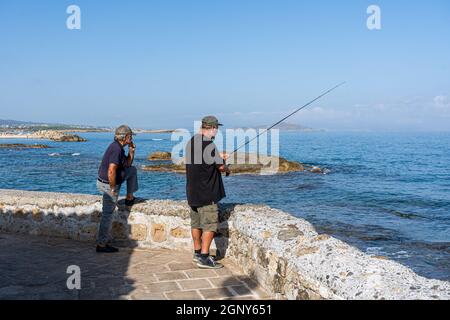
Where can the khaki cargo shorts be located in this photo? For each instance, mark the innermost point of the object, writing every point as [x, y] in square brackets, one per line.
[205, 218]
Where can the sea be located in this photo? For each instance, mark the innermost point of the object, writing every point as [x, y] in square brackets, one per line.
[388, 194]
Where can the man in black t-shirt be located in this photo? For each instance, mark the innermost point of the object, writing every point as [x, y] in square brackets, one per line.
[204, 189]
[115, 169]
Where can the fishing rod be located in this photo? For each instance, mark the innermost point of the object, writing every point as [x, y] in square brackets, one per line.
[285, 118]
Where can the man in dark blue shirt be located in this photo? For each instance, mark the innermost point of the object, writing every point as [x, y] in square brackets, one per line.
[115, 169]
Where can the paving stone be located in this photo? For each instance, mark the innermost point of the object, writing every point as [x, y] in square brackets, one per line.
[175, 275]
[147, 296]
[241, 298]
[195, 284]
[96, 294]
[40, 272]
[216, 293]
[183, 295]
[146, 268]
[201, 273]
[241, 290]
[225, 282]
[162, 287]
[223, 272]
[182, 266]
[141, 279]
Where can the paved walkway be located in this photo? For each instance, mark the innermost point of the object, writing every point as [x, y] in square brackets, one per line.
[36, 268]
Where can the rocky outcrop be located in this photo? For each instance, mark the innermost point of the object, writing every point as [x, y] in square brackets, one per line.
[59, 136]
[166, 167]
[70, 138]
[243, 163]
[282, 253]
[23, 146]
[160, 156]
[264, 164]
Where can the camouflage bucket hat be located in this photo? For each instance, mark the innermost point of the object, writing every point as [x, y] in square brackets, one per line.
[211, 121]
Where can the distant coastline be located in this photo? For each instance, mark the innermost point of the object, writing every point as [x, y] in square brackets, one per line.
[13, 129]
[21, 134]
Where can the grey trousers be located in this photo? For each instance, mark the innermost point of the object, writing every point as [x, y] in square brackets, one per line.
[110, 202]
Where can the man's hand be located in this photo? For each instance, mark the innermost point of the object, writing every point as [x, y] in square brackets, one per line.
[131, 149]
[225, 168]
[113, 192]
[224, 155]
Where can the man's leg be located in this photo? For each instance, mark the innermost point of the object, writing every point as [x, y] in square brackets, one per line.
[207, 238]
[196, 233]
[132, 181]
[197, 238]
[108, 205]
[209, 221]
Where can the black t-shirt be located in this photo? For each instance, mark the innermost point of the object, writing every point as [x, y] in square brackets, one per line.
[204, 183]
[114, 154]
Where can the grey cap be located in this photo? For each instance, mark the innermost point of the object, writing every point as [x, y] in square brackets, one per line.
[210, 121]
[123, 131]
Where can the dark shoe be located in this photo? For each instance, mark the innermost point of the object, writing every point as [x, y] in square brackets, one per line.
[208, 263]
[196, 257]
[129, 203]
[106, 249]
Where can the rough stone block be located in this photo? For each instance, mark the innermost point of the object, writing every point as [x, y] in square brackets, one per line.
[302, 251]
[20, 214]
[159, 232]
[119, 230]
[179, 233]
[138, 232]
[290, 233]
[37, 215]
[266, 234]
[95, 216]
[89, 230]
[322, 237]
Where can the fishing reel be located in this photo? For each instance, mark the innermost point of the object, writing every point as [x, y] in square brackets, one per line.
[227, 170]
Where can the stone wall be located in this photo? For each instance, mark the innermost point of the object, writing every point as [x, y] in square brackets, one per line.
[283, 253]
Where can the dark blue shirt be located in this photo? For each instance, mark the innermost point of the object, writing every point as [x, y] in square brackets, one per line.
[114, 154]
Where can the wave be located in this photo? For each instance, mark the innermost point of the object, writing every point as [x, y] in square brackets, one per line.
[56, 154]
[157, 139]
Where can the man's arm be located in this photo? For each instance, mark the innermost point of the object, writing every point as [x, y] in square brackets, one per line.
[130, 157]
[112, 171]
[223, 167]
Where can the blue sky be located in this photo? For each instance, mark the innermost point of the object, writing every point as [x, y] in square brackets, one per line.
[165, 64]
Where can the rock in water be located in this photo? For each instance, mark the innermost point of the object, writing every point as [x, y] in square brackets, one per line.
[160, 156]
[244, 164]
[58, 136]
[70, 138]
[176, 168]
[23, 146]
[316, 170]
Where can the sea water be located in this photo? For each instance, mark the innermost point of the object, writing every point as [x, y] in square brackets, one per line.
[386, 193]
